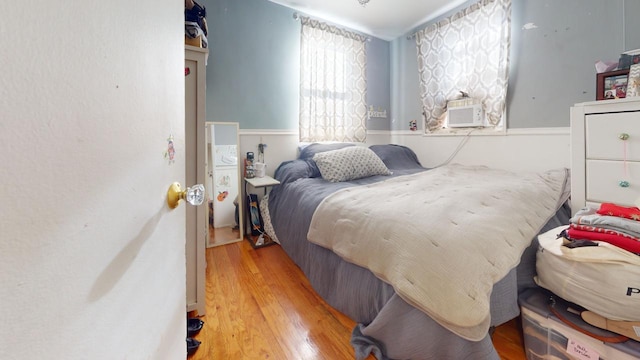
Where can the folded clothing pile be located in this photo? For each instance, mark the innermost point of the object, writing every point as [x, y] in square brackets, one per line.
[611, 223]
[195, 22]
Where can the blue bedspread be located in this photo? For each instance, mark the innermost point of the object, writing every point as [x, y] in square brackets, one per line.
[388, 326]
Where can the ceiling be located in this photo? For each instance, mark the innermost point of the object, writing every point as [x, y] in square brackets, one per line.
[384, 19]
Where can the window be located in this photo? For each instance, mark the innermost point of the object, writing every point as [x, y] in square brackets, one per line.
[332, 84]
[467, 52]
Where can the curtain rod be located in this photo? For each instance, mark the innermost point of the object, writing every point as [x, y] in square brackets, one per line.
[456, 15]
[296, 16]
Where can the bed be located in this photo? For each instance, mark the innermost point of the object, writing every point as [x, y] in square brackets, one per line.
[399, 314]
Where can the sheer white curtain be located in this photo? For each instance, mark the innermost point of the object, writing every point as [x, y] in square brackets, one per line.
[332, 83]
[468, 52]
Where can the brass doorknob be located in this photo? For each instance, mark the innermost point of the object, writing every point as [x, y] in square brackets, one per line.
[194, 195]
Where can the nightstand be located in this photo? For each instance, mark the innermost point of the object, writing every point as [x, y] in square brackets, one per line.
[261, 182]
[260, 240]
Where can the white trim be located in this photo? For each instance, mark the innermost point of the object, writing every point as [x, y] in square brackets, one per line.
[378, 132]
[405, 132]
[540, 131]
[246, 132]
[615, 105]
[509, 132]
[479, 131]
[295, 132]
[517, 131]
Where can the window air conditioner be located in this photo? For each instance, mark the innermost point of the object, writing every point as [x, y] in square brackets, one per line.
[465, 112]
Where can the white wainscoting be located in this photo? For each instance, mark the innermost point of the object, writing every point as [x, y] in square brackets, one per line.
[535, 149]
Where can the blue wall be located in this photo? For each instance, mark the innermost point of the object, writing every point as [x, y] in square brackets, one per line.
[551, 66]
[253, 71]
[254, 62]
[253, 68]
[378, 81]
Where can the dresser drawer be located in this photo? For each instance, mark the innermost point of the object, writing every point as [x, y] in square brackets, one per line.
[602, 132]
[602, 182]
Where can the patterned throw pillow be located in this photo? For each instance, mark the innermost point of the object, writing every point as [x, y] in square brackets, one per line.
[350, 163]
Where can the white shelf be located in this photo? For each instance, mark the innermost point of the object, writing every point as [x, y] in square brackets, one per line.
[258, 182]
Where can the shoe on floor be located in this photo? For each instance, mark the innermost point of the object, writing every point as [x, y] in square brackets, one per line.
[194, 325]
[192, 345]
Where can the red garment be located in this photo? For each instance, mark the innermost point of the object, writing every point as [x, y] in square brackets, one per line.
[596, 229]
[610, 209]
[619, 241]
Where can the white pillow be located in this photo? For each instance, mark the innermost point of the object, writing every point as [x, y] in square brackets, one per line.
[350, 163]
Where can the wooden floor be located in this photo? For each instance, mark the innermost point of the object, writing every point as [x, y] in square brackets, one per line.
[260, 306]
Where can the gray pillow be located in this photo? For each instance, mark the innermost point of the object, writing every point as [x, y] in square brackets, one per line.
[350, 163]
[290, 171]
[310, 150]
[396, 157]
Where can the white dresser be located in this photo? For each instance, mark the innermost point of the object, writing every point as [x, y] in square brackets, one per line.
[605, 152]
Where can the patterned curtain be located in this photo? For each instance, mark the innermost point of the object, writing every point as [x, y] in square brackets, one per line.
[332, 84]
[468, 52]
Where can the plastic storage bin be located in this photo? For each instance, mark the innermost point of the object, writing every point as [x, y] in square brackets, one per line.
[547, 337]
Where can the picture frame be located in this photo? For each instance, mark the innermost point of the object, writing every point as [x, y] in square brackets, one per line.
[612, 84]
[633, 83]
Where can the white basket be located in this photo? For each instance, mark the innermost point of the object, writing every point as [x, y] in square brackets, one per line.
[260, 169]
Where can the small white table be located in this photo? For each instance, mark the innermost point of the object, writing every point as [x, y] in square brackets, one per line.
[261, 182]
[257, 182]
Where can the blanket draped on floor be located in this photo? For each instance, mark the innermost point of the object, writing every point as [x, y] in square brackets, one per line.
[441, 238]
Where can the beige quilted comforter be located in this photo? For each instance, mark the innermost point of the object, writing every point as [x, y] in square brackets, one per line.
[442, 238]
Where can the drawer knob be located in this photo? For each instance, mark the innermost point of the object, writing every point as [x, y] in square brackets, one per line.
[623, 183]
[623, 136]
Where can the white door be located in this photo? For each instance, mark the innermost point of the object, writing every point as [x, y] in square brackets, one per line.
[92, 261]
